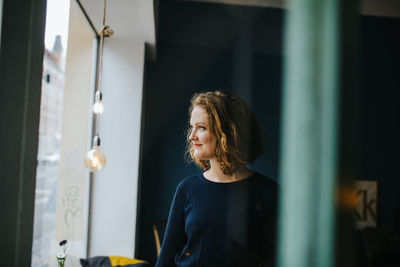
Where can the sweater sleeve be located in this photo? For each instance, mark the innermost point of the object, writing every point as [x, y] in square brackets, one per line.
[175, 236]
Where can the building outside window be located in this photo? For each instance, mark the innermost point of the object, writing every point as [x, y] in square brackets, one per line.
[68, 75]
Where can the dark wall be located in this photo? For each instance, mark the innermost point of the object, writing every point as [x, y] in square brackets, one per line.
[203, 47]
[379, 112]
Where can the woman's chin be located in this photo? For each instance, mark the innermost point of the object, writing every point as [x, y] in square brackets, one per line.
[202, 157]
[199, 156]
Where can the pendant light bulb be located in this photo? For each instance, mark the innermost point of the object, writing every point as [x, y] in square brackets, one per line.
[95, 159]
[98, 106]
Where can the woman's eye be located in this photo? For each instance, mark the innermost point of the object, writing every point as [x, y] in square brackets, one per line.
[202, 127]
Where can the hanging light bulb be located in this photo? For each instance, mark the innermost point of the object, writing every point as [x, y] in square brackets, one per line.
[98, 106]
[95, 159]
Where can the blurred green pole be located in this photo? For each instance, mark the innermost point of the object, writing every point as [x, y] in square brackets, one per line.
[310, 131]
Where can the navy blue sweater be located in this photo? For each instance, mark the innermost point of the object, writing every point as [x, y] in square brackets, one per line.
[221, 224]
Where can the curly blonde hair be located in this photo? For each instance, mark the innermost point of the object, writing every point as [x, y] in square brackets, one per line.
[238, 136]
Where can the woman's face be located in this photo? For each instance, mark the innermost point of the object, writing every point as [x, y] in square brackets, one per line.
[201, 137]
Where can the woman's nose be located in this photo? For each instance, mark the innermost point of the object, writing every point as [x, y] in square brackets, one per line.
[192, 135]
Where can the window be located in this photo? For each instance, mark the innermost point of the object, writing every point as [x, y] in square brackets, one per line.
[64, 134]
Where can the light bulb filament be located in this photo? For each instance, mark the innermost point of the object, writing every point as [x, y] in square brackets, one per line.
[95, 161]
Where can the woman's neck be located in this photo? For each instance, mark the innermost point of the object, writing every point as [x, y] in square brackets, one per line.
[215, 173]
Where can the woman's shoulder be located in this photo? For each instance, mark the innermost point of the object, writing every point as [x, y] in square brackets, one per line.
[264, 181]
[189, 181]
[265, 187]
[188, 186]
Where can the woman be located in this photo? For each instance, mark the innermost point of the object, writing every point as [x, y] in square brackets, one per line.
[226, 215]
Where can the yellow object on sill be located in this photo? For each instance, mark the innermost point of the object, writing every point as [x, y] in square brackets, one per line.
[121, 261]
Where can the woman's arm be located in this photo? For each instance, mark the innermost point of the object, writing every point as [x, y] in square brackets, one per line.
[175, 236]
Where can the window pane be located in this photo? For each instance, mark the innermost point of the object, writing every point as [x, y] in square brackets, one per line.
[66, 29]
